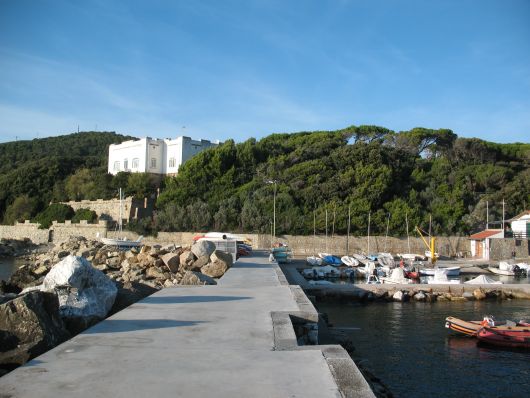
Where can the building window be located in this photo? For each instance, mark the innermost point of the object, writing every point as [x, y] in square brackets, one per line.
[116, 166]
[153, 163]
[125, 164]
[135, 163]
[172, 162]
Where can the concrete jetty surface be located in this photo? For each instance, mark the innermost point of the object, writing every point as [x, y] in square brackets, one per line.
[231, 340]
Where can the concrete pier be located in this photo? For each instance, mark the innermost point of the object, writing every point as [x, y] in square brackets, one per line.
[235, 339]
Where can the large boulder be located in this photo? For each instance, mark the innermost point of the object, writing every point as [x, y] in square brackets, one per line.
[215, 269]
[221, 260]
[129, 293]
[29, 326]
[203, 248]
[196, 278]
[86, 294]
[172, 260]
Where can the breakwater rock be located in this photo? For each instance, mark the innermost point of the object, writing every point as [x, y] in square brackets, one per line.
[16, 247]
[90, 281]
[30, 325]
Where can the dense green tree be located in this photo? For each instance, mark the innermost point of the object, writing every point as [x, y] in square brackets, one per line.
[23, 208]
[54, 212]
[84, 214]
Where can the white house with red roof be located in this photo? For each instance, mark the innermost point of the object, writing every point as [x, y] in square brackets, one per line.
[481, 242]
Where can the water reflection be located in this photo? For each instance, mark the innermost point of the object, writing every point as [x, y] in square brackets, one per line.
[409, 348]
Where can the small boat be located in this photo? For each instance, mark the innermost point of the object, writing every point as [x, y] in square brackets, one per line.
[360, 257]
[450, 271]
[499, 271]
[123, 243]
[322, 255]
[329, 271]
[282, 254]
[440, 277]
[397, 277]
[386, 260]
[515, 337]
[349, 261]
[313, 260]
[483, 280]
[429, 255]
[471, 328]
[332, 260]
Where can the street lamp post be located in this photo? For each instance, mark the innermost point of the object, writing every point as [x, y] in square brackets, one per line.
[274, 182]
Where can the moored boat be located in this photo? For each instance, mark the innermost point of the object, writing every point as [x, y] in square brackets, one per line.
[332, 260]
[515, 337]
[349, 261]
[450, 271]
[471, 328]
[313, 260]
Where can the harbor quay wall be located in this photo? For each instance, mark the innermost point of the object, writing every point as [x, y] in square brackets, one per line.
[340, 245]
[502, 249]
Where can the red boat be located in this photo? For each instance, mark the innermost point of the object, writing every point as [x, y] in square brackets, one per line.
[515, 337]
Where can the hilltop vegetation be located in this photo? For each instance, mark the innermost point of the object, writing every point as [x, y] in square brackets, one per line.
[37, 172]
[366, 169]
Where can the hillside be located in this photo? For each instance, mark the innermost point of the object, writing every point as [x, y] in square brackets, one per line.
[368, 169]
[36, 171]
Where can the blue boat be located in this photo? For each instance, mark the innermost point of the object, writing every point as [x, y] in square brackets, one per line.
[332, 260]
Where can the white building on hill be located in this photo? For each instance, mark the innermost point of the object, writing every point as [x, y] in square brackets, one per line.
[157, 156]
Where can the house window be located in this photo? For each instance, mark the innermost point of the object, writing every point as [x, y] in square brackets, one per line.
[116, 166]
[135, 163]
[153, 163]
[172, 162]
[125, 164]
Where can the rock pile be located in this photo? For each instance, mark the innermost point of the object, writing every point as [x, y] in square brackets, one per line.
[67, 289]
[15, 247]
[155, 266]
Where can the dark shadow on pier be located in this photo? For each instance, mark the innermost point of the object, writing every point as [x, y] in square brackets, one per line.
[129, 325]
[190, 299]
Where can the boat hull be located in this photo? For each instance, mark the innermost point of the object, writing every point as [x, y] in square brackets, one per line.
[517, 337]
[121, 243]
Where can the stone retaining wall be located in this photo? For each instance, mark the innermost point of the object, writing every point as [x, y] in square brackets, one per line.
[62, 231]
[25, 230]
[501, 249]
[340, 245]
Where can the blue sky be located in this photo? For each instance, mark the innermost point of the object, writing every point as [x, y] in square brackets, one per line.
[240, 69]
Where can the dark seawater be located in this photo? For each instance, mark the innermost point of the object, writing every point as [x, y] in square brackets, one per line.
[407, 346]
[8, 265]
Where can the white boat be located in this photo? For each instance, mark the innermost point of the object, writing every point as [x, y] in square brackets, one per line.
[397, 277]
[329, 271]
[483, 280]
[451, 271]
[313, 260]
[386, 260]
[440, 277]
[429, 255]
[360, 257]
[499, 271]
[122, 243]
[349, 261]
